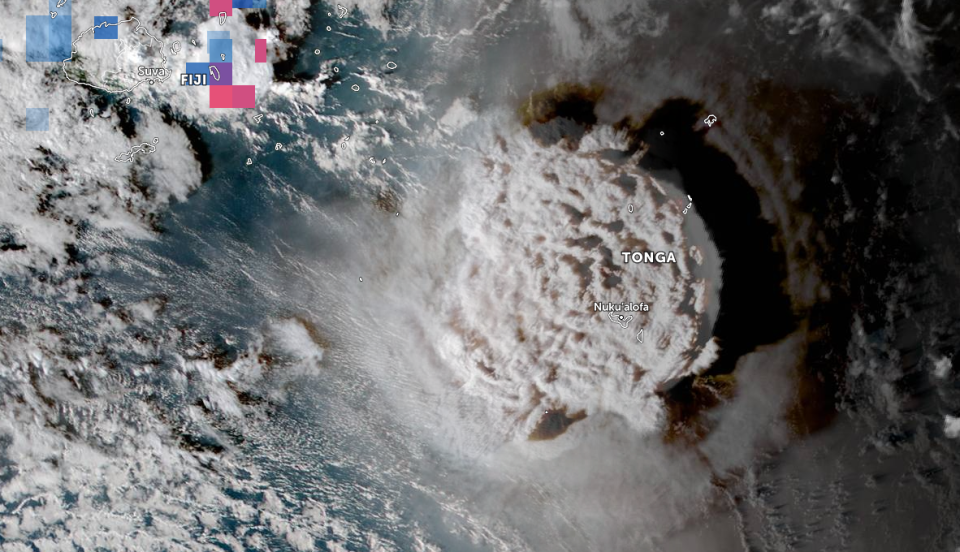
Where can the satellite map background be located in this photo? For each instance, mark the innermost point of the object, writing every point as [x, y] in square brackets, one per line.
[380, 332]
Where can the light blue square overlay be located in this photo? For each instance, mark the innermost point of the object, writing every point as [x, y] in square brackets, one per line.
[38, 118]
[221, 46]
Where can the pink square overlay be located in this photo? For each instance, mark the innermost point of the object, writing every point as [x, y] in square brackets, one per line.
[221, 96]
[217, 6]
[244, 95]
[261, 50]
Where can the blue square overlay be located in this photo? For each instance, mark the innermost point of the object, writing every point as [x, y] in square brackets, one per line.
[197, 68]
[221, 46]
[38, 38]
[61, 38]
[109, 31]
[48, 39]
[38, 118]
